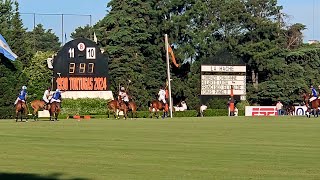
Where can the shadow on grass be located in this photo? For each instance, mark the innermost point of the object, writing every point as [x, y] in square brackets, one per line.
[27, 176]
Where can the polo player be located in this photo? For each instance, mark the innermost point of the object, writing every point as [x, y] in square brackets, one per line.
[314, 94]
[46, 96]
[22, 95]
[123, 96]
[162, 95]
[56, 96]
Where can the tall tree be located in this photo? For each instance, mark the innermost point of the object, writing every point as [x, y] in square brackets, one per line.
[82, 32]
[124, 33]
[43, 40]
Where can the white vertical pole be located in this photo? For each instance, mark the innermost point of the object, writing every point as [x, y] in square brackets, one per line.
[168, 72]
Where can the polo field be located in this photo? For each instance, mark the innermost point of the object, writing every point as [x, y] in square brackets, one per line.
[285, 147]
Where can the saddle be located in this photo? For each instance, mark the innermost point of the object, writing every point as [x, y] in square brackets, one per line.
[21, 101]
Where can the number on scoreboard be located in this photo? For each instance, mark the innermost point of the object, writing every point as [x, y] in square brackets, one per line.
[91, 53]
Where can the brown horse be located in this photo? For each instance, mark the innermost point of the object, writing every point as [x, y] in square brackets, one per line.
[156, 106]
[133, 108]
[54, 111]
[38, 105]
[314, 105]
[116, 107]
[21, 108]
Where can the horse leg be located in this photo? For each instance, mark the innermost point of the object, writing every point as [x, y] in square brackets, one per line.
[125, 114]
[26, 115]
[50, 119]
[17, 112]
[164, 114]
[115, 114]
[54, 116]
[132, 114]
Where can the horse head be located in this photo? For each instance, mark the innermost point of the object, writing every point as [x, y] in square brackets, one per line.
[305, 96]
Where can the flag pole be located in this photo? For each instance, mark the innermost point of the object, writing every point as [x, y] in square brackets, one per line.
[168, 72]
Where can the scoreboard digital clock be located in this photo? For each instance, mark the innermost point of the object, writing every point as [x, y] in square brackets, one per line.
[80, 66]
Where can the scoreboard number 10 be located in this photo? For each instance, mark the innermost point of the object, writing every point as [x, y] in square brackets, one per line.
[91, 53]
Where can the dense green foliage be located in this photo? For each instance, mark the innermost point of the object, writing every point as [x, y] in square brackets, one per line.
[181, 148]
[39, 77]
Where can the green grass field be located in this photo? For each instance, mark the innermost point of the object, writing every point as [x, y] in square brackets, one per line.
[179, 148]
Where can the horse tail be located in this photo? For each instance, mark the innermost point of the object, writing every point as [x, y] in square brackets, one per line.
[32, 105]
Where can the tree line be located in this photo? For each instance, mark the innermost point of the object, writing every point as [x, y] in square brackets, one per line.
[251, 32]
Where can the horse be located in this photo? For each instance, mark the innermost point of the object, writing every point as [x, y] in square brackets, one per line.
[38, 105]
[133, 108]
[155, 106]
[21, 108]
[290, 109]
[314, 105]
[116, 107]
[54, 111]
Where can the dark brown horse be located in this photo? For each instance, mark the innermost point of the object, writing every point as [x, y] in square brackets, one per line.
[21, 108]
[115, 107]
[38, 105]
[290, 110]
[156, 106]
[54, 111]
[314, 105]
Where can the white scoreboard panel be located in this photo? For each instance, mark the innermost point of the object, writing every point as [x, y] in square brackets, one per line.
[220, 84]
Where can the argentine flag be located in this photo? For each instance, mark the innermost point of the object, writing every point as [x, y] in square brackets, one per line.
[5, 49]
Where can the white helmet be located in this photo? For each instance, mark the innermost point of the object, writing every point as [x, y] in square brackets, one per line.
[57, 90]
[24, 87]
[122, 89]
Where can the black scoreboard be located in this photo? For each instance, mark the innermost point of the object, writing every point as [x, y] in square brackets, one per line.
[80, 66]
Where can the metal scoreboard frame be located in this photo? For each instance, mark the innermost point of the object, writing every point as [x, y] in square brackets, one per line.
[217, 80]
[81, 70]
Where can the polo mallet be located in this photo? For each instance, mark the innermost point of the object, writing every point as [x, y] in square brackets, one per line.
[129, 81]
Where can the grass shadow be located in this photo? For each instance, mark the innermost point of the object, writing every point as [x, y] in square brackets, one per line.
[29, 176]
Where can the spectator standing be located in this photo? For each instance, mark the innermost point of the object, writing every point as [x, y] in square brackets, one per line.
[279, 107]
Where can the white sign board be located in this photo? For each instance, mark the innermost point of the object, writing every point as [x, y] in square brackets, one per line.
[44, 113]
[221, 84]
[261, 111]
[271, 111]
[300, 110]
[208, 68]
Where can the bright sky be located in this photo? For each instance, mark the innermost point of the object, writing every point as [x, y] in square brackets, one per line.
[301, 11]
[96, 8]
